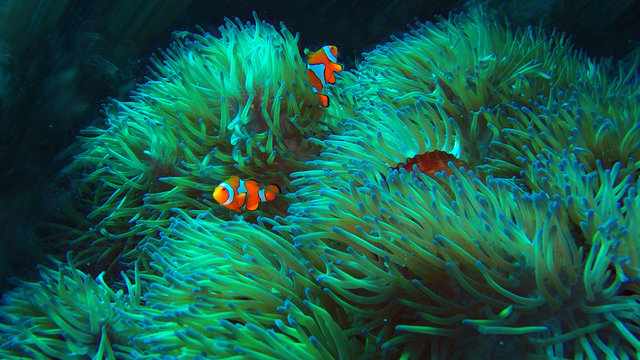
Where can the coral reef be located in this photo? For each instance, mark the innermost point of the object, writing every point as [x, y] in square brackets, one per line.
[529, 250]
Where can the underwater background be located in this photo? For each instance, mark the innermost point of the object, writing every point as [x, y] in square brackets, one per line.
[120, 118]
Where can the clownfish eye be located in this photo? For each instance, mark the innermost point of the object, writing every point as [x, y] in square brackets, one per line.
[220, 194]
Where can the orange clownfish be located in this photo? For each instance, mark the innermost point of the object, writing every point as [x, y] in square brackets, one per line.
[237, 194]
[432, 162]
[321, 65]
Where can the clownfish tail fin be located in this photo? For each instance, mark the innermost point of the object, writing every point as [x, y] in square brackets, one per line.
[275, 188]
[269, 193]
[324, 99]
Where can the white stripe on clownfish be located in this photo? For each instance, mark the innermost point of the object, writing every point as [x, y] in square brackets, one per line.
[318, 70]
[327, 51]
[229, 191]
[241, 187]
[262, 195]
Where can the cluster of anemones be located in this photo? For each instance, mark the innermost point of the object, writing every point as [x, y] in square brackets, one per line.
[477, 199]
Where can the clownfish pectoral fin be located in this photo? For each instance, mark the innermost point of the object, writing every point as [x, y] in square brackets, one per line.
[324, 99]
[330, 78]
[329, 75]
[242, 197]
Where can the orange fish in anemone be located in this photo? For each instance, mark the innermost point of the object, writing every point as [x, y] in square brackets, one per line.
[321, 66]
[432, 162]
[238, 195]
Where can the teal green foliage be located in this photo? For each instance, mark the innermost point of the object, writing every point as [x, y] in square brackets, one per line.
[67, 315]
[528, 251]
[237, 104]
[230, 287]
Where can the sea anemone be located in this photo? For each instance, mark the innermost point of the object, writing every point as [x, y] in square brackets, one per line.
[230, 288]
[534, 256]
[67, 315]
[526, 245]
[237, 104]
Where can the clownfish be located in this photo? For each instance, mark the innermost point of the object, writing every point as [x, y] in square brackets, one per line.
[321, 65]
[432, 162]
[237, 194]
